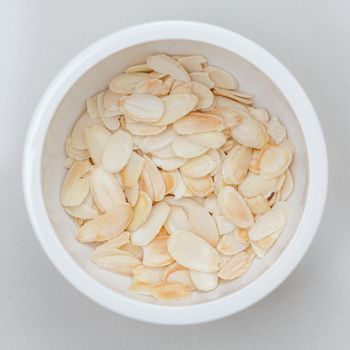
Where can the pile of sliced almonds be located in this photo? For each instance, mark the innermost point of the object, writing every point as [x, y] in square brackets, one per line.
[177, 177]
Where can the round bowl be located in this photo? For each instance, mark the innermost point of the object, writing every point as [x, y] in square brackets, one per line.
[258, 72]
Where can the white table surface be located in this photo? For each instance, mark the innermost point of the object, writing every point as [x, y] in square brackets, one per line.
[40, 310]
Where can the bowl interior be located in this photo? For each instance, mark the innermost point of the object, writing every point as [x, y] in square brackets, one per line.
[96, 79]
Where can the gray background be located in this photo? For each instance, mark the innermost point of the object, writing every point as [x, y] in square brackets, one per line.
[40, 310]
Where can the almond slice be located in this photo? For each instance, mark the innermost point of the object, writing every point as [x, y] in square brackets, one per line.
[202, 78]
[142, 108]
[181, 247]
[184, 203]
[228, 245]
[198, 167]
[232, 95]
[146, 274]
[152, 143]
[96, 138]
[201, 187]
[267, 224]
[84, 210]
[176, 106]
[154, 87]
[288, 185]
[143, 129]
[111, 123]
[205, 96]
[184, 148]
[236, 165]
[276, 130]
[250, 133]
[255, 185]
[141, 288]
[150, 228]
[274, 161]
[229, 116]
[221, 78]
[132, 171]
[78, 140]
[234, 208]
[211, 204]
[170, 292]
[136, 251]
[115, 243]
[183, 277]
[132, 194]
[145, 183]
[75, 153]
[110, 102]
[192, 63]
[169, 164]
[155, 253]
[75, 186]
[156, 178]
[105, 189]
[125, 83]
[164, 64]
[181, 88]
[203, 225]
[166, 152]
[223, 225]
[138, 68]
[236, 266]
[169, 181]
[118, 151]
[224, 102]
[106, 226]
[180, 187]
[91, 106]
[177, 220]
[261, 115]
[196, 122]
[258, 205]
[208, 139]
[141, 211]
[204, 281]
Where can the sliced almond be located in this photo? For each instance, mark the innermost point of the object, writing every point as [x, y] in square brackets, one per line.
[84, 210]
[255, 185]
[224, 102]
[288, 186]
[261, 115]
[177, 220]
[234, 208]
[254, 166]
[180, 187]
[91, 106]
[196, 122]
[156, 178]
[236, 266]
[211, 204]
[110, 102]
[236, 165]
[136, 251]
[181, 88]
[208, 139]
[154, 87]
[232, 95]
[75, 153]
[198, 167]
[203, 225]
[150, 228]
[106, 226]
[184, 203]
[169, 181]
[229, 116]
[228, 245]
[111, 123]
[169, 164]
[221, 78]
[166, 152]
[224, 226]
[250, 133]
[168, 81]
[201, 187]
[146, 274]
[105, 189]
[125, 83]
[192, 63]
[276, 130]
[139, 68]
[202, 78]
[141, 288]
[75, 186]
[68, 162]
[141, 107]
[145, 183]
[155, 253]
[115, 243]
[176, 106]
[258, 205]
[152, 143]
[132, 194]
[204, 281]
[274, 161]
[181, 247]
[184, 148]
[170, 292]
[218, 181]
[96, 138]
[205, 96]
[142, 129]
[183, 277]
[132, 171]
[118, 151]
[141, 211]
[164, 64]
[78, 140]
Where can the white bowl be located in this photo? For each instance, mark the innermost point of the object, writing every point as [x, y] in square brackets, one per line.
[258, 72]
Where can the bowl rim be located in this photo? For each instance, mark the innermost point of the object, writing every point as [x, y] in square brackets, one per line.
[317, 177]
